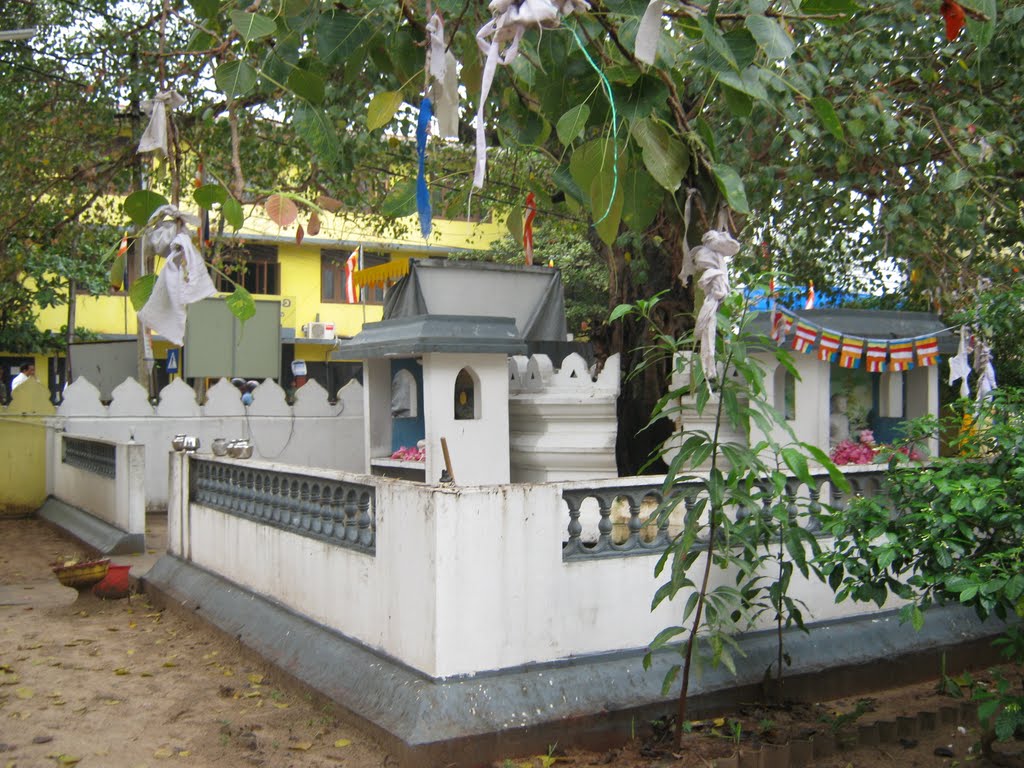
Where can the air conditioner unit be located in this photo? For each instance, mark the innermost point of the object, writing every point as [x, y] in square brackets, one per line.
[319, 330]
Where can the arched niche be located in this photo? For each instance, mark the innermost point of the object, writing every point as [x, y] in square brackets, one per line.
[785, 393]
[467, 395]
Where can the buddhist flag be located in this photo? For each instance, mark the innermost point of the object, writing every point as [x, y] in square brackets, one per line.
[804, 337]
[782, 324]
[901, 355]
[877, 351]
[828, 347]
[809, 304]
[927, 351]
[851, 352]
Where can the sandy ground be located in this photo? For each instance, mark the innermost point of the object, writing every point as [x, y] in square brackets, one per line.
[117, 683]
[121, 684]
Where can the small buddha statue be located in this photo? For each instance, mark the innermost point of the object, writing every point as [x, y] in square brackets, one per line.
[838, 421]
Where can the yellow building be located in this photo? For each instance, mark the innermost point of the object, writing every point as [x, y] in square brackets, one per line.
[308, 279]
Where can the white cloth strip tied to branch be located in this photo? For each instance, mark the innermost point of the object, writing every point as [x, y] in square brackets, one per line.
[183, 280]
[444, 75]
[960, 365]
[155, 137]
[711, 260]
[649, 32]
[510, 20]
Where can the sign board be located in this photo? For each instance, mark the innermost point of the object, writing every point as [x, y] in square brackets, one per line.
[104, 363]
[172, 361]
[218, 345]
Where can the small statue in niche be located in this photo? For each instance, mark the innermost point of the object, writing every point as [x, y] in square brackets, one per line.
[838, 420]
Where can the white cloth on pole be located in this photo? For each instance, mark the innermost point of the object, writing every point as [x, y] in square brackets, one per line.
[711, 260]
[960, 365]
[155, 137]
[444, 75]
[183, 280]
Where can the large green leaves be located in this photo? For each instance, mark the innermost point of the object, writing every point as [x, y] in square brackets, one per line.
[731, 186]
[252, 26]
[382, 109]
[570, 125]
[140, 205]
[235, 78]
[316, 129]
[665, 157]
[401, 200]
[770, 37]
[339, 35]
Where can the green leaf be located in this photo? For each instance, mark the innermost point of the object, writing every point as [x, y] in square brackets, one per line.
[205, 9]
[604, 207]
[241, 304]
[620, 311]
[797, 464]
[306, 85]
[116, 277]
[140, 205]
[140, 290]
[827, 114]
[642, 197]
[731, 186]
[514, 224]
[664, 636]
[382, 109]
[740, 104]
[771, 37]
[231, 210]
[316, 129]
[209, 195]
[981, 32]
[665, 157]
[338, 36]
[252, 26]
[570, 125]
[401, 200]
[841, 8]
[716, 42]
[235, 78]
[956, 180]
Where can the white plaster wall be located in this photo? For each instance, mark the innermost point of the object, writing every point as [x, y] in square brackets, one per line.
[562, 424]
[312, 433]
[923, 397]
[479, 448]
[119, 501]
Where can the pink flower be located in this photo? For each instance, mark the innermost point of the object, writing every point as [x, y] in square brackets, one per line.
[867, 437]
[406, 453]
[849, 452]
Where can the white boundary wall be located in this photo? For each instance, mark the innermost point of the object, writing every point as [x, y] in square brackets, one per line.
[119, 501]
[463, 580]
[310, 433]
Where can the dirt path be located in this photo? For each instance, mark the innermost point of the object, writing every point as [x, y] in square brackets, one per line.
[118, 684]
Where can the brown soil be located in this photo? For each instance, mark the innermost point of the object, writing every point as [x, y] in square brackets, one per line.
[120, 684]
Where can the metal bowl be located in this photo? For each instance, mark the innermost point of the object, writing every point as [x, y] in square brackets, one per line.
[190, 444]
[240, 449]
[178, 442]
[219, 446]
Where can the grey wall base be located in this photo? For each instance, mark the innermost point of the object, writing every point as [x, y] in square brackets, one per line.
[596, 701]
[91, 531]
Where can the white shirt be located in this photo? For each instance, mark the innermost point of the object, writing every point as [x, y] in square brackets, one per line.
[20, 379]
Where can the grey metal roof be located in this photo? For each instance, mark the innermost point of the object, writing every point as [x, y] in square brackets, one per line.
[410, 336]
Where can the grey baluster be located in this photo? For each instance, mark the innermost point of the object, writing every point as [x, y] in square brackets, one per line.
[604, 525]
[326, 513]
[814, 510]
[575, 543]
[338, 510]
[315, 519]
[294, 500]
[351, 516]
[365, 529]
[305, 510]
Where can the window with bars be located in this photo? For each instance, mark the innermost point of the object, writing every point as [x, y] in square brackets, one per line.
[254, 267]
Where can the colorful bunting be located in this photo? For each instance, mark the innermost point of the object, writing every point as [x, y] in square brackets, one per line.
[877, 352]
[828, 347]
[782, 324]
[851, 352]
[927, 351]
[804, 338]
[901, 355]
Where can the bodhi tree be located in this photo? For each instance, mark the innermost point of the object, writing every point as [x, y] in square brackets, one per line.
[817, 125]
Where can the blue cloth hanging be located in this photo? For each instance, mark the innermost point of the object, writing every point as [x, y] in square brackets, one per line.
[422, 193]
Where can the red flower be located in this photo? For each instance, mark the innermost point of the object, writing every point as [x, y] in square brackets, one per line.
[954, 16]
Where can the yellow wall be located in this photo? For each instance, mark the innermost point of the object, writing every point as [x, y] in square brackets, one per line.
[23, 449]
[300, 272]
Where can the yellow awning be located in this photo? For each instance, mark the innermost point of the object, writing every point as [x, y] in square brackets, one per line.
[382, 273]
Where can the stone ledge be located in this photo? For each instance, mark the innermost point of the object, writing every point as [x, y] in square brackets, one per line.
[90, 530]
[595, 701]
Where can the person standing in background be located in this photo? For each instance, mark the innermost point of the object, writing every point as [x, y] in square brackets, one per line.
[27, 371]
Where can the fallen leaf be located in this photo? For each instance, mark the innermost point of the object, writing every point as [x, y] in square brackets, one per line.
[342, 742]
[169, 664]
[255, 679]
[162, 753]
[24, 693]
[68, 760]
[280, 705]
[302, 745]
[130, 652]
[132, 625]
[184, 753]
[121, 671]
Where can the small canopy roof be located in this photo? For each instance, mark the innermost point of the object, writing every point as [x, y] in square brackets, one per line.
[412, 336]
